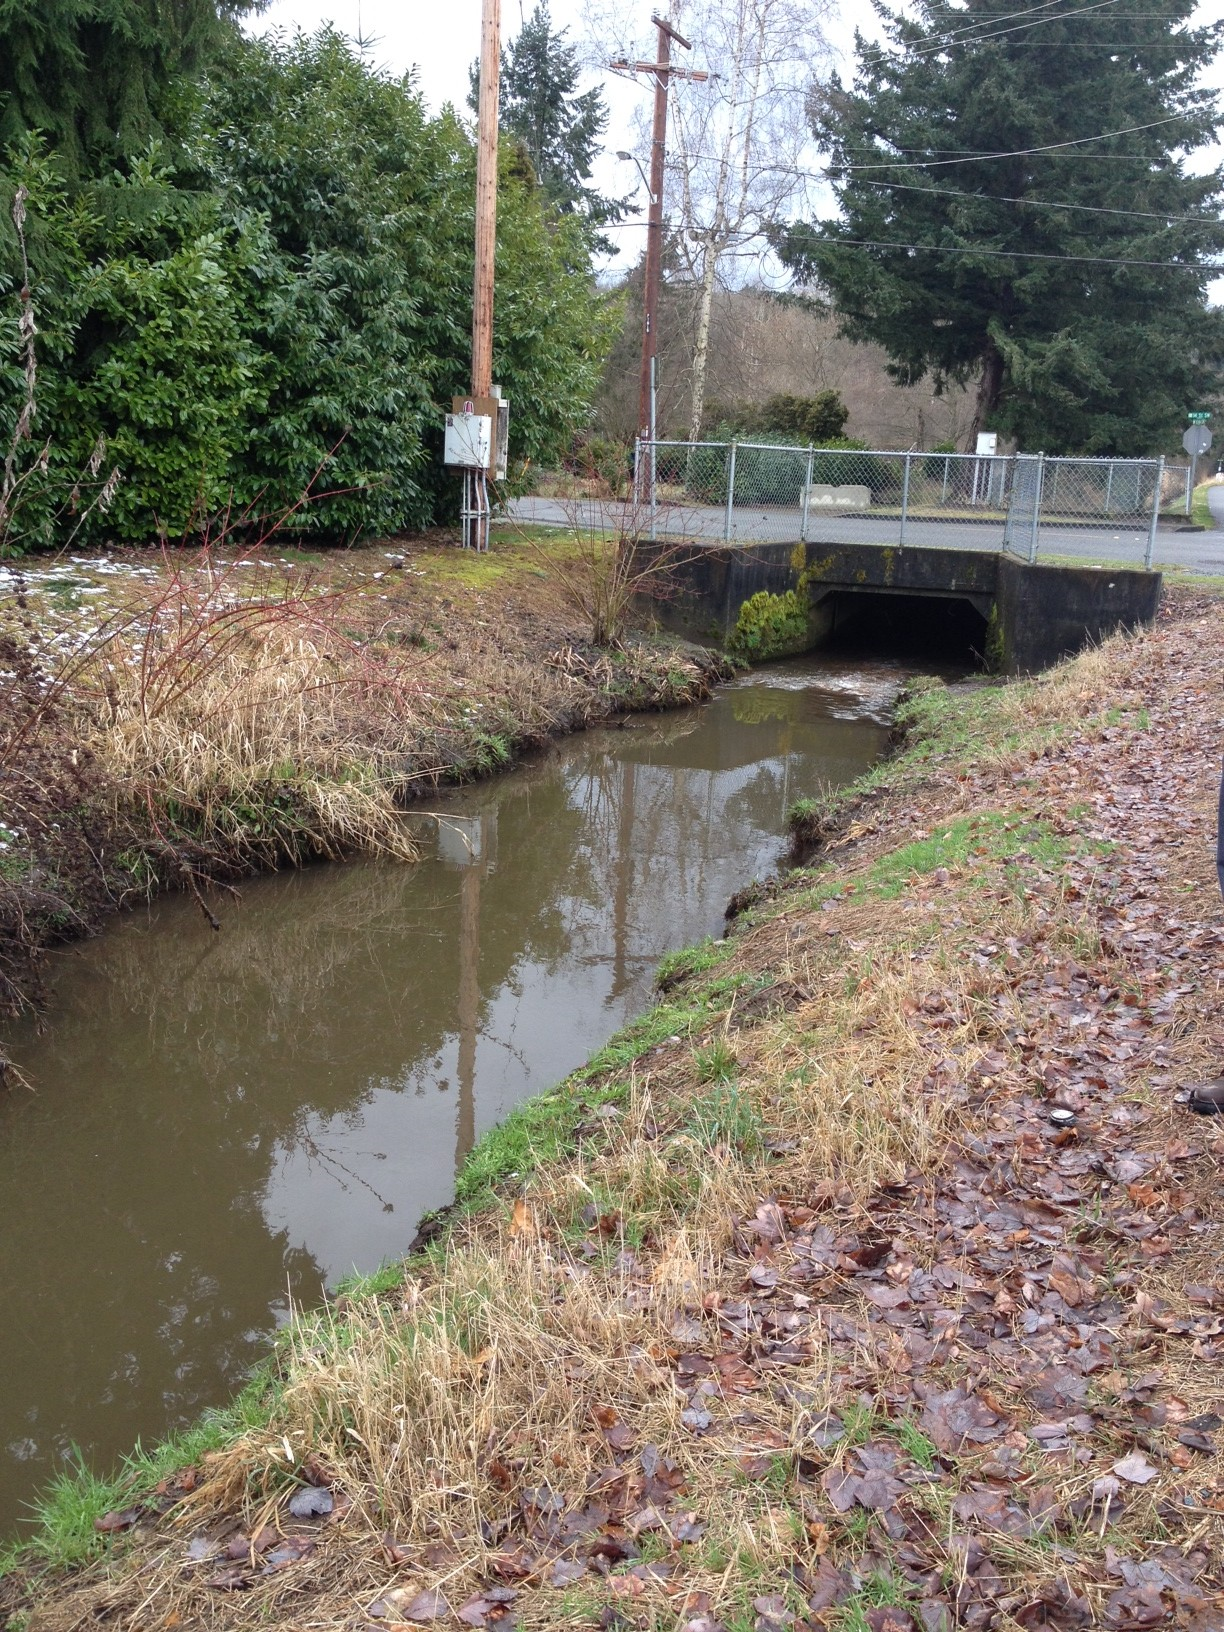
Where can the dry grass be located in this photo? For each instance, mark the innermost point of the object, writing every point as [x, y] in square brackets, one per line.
[545, 1341]
[270, 737]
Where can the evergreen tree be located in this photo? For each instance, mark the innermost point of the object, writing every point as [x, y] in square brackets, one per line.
[102, 78]
[993, 168]
[558, 128]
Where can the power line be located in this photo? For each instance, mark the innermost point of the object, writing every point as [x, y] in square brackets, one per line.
[913, 53]
[1106, 45]
[1047, 204]
[1020, 152]
[949, 42]
[971, 28]
[971, 32]
[1201, 267]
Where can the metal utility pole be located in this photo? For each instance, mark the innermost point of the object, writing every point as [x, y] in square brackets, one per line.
[663, 73]
[486, 199]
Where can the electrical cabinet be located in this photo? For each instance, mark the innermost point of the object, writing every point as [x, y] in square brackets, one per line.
[468, 441]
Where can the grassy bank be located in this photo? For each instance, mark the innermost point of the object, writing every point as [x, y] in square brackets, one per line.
[1200, 512]
[795, 1308]
[182, 720]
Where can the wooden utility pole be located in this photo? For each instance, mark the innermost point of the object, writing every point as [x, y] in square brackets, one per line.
[486, 199]
[663, 73]
[654, 230]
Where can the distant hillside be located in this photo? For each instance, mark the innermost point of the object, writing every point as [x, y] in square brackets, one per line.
[760, 347]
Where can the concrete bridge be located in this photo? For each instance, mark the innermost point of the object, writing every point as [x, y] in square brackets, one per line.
[774, 600]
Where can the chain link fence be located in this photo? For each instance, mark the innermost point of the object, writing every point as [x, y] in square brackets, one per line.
[1027, 504]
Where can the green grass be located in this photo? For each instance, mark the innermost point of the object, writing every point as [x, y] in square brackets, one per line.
[879, 1591]
[968, 841]
[1174, 574]
[1200, 514]
[388, 1277]
[63, 1517]
[716, 1062]
[968, 844]
[945, 725]
[723, 1116]
[513, 550]
[690, 961]
[543, 1129]
[912, 1440]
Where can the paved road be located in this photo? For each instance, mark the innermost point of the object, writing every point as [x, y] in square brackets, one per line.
[1194, 552]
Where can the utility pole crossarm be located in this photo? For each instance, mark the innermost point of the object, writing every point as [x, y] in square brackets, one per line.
[623, 66]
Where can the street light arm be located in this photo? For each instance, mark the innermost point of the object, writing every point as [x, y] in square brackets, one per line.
[630, 158]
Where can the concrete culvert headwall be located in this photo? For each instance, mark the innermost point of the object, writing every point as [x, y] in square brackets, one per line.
[777, 600]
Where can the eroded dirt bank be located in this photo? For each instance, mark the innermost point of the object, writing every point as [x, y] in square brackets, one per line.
[184, 719]
[797, 1308]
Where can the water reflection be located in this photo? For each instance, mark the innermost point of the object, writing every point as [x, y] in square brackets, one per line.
[222, 1120]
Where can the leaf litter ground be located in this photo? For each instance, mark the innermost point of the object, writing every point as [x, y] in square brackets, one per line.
[814, 1316]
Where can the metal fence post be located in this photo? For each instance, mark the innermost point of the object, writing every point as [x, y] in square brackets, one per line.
[637, 470]
[1156, 497]
[905, 484]
[1038, 481]
[1109, 474]
[943, 497]
[807, 494]
[654, 498]
[1189, 483]
[730, 494]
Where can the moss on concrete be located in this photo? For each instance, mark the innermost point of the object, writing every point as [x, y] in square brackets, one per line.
[770, 626]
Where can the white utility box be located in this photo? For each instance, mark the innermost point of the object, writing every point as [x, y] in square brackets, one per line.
[469, 441]
[987, 444]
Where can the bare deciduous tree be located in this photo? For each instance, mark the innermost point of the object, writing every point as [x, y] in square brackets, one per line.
[739, 147]
[739, 151]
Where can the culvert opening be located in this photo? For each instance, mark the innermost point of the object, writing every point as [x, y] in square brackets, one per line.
[936, 627]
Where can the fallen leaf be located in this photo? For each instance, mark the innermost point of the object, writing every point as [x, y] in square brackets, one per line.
[311, 1502]
[111, 1522]
[402, 1604]
[1136, 1606]
[290, 1551]
[1135, 1469]
[429, 1605]
[229, 1580]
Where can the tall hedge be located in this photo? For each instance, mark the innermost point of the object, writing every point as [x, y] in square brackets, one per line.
[282, 307]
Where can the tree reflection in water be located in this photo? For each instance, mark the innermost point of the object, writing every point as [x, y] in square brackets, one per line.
[223, 1121]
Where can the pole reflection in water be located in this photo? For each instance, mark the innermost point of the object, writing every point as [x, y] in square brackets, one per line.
[473, 856]
[223, 1120]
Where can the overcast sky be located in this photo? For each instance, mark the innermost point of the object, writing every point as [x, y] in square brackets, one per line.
[439, 39]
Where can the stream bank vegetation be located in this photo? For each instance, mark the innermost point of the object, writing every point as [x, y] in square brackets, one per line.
[185, 718]
[794, 1308]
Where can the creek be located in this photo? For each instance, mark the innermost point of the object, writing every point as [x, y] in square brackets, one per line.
[222, 1123]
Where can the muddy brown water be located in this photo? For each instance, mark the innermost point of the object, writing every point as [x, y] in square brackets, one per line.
[223, 1121]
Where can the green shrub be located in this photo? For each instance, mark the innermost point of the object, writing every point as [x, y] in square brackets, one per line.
[605, 458]
[819, 419]
[287, 308]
